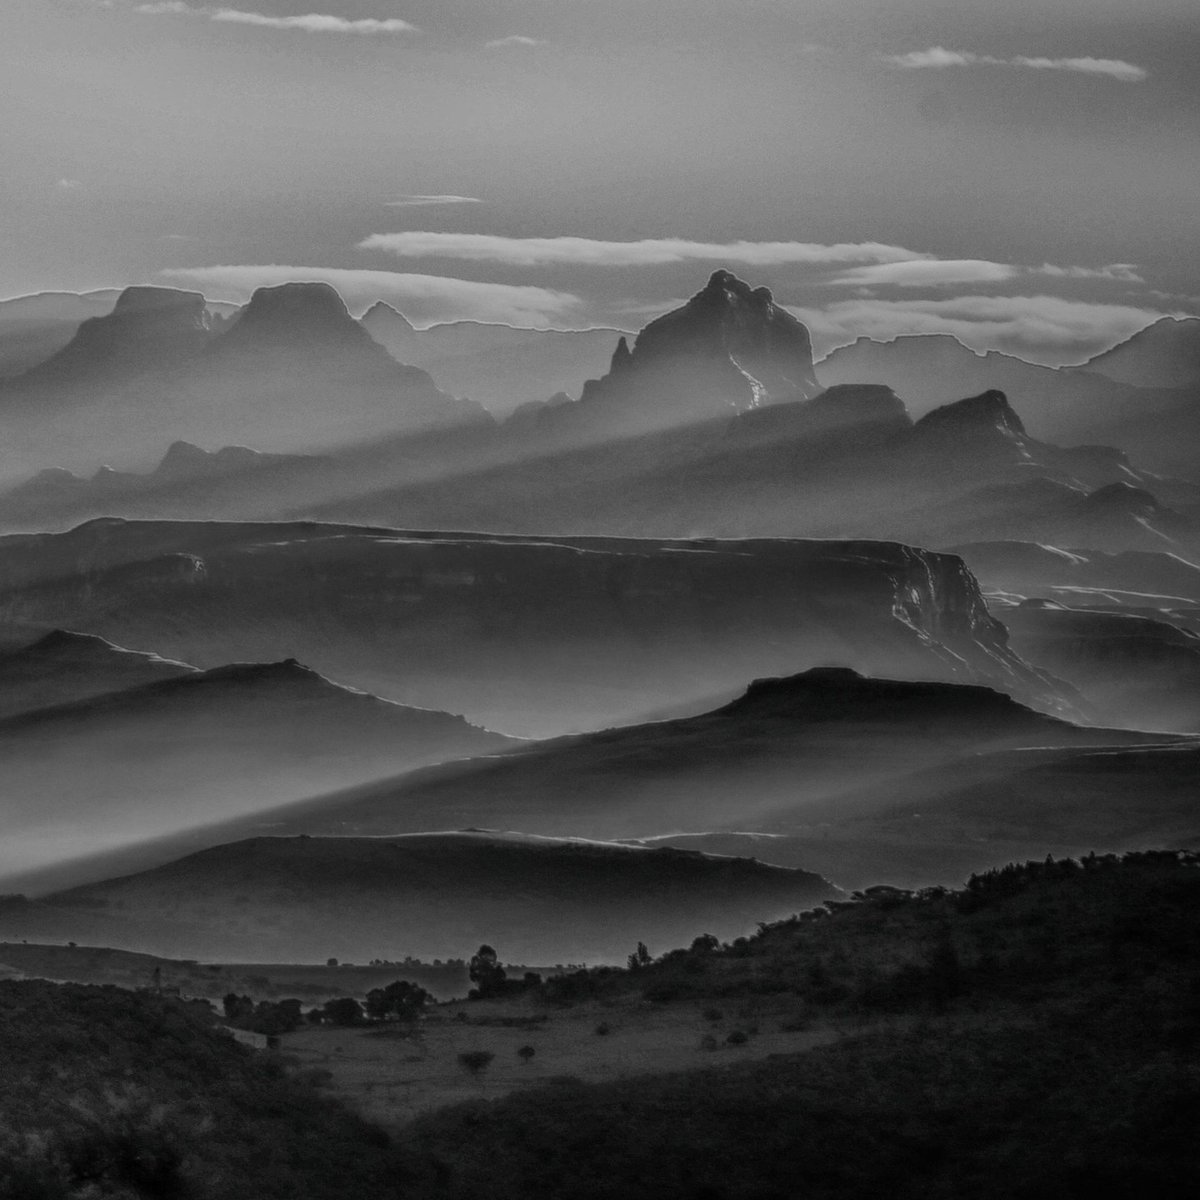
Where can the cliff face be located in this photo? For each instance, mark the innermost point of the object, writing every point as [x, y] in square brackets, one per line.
[530, 635]
[729, 349]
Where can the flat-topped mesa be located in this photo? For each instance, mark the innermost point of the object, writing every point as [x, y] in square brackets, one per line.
[149, 327]
[297, 316]
[840, 693]
[729, 349]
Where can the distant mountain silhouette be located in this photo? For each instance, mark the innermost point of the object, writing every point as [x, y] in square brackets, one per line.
[293, 371]
[848, 463]
[187, 481]
[63, 667]
[1163, 355]
[499, 366]
[779, 755]
[115, 768]
[149, 328]
[538, 900]
[1135, 670]
[729, 349]
[1141, 395]
[528, 634]
[33, 328]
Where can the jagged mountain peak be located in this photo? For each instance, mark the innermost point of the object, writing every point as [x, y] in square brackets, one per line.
[728, 349]
[729, 318]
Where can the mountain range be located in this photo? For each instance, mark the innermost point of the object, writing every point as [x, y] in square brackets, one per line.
[498, 366]
[818, 766]
[160, 367]
[541, 900]
[132, 746]
[531, 635]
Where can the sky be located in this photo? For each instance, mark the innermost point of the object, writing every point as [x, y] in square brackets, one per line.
[1022, 175]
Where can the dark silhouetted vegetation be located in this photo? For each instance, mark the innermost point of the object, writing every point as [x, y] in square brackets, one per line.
[111, 1093]
[1036, 1034]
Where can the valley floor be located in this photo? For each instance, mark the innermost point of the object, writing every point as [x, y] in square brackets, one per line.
[391, 1077]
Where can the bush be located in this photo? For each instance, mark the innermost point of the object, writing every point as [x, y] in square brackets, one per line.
[708, 1042]
[603, 1029]
[738, 1037]
[475, 1062]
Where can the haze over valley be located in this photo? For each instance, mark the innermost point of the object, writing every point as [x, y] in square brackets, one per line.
[599, 600]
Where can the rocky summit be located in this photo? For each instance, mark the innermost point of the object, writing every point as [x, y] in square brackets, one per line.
[729, 349]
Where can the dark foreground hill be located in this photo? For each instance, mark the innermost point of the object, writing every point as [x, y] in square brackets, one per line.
[1032, 1035]
[304, 899]
[121, 1094]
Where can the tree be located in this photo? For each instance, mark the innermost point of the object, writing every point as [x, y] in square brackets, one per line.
[640, 957]
[525, 1053]
[343, 1010]
[399, 1001]
[475, 1062]
[486, 973]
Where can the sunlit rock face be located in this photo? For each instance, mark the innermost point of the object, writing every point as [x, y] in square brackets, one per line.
[729, 349]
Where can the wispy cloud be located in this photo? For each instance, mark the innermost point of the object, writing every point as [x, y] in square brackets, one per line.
[939, 58]
[514, 39]
[306, 22]
[1040, 328]
[424, 299]
[1116, 272]
[576, 251]
[68, 185]
[927, 273]
[429, 201]
[941, 272]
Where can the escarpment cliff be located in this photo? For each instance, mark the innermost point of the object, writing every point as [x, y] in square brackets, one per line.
[528, 634]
